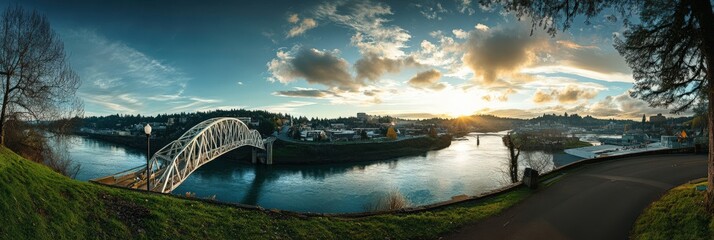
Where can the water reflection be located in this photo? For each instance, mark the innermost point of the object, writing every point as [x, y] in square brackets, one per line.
[463, 168]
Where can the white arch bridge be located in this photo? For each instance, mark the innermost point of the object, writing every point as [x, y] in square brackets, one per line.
[173, 163]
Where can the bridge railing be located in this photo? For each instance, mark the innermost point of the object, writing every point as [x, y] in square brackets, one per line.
[172, 164]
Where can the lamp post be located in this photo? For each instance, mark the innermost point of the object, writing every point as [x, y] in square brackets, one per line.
[147, 130]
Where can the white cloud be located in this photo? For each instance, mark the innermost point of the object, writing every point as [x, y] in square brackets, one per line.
[366, 18]
[460, 33]
[608, 77]
[464, 6]
[445, 54]
[431, 11]
[481, 27]
[293, 18]
[299, 29]
[566, 95]
[120, 79]
[288, 107]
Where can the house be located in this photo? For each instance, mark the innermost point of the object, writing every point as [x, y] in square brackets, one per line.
[312, 135]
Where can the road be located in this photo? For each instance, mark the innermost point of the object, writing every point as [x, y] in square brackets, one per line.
[599, 201]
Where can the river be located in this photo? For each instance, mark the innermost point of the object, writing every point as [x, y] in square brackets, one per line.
[462, 168]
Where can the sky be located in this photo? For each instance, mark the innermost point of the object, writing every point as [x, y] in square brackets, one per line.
[410, 59]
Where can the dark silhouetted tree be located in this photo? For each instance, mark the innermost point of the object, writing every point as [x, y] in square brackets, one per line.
[514, 149]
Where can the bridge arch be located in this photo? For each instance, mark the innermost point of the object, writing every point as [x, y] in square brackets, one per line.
[173, 163]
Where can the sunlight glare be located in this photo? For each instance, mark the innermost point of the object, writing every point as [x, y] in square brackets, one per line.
[458, 103]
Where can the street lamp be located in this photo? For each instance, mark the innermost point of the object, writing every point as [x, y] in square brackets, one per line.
[147, 130]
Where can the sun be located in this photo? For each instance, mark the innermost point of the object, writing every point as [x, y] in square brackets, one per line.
[459, 103]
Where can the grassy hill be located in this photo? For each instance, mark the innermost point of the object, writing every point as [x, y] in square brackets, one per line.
[37, 203]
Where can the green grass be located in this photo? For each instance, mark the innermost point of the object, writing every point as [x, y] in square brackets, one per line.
[40, 204]
[576, 144]
[679, 214]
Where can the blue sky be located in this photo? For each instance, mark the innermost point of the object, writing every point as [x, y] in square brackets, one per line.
[336, 58]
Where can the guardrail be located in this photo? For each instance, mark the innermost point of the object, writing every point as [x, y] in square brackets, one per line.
[438, 205]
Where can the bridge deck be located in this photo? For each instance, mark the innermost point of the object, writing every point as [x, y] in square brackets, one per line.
[135, 179]
[173, 163]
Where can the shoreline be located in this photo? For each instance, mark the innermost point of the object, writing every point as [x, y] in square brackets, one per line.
[311, 153]
[294, 153]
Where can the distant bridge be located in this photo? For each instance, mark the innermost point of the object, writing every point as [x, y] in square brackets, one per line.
[206, 141]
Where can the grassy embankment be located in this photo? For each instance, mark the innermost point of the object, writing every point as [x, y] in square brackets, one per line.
[576, 144]
[541, 142]
[679, 214]
[38, 203]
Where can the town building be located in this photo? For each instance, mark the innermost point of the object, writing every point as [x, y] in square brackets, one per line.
[362, 116]
[658, 119]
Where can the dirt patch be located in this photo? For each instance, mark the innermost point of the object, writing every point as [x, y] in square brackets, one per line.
[129, 213]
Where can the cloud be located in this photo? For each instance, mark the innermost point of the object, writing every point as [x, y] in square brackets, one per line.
[509, 112]
[120, 79]
[505, 93]
[306, 24]
[494, 55]
[623, 106]
[430, 11]
[366, 18]
[464, 6]
[417, 115]
[460, 33]
[306, 92]
[583, 60]
[372, 66]
[315, 66]
[569, 94]
[542, 97]
[293, 18]
[573, 45]
[574, 94]
[619, 106]
[507, 56]
[593, 59]
[551, 69]
[288, 107]
[427, 80]
[444, 54]
[481, 27]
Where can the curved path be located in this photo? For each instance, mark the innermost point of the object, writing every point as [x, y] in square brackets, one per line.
[598, 201]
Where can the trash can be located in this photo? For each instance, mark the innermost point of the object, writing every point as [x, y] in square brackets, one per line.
[530, 178]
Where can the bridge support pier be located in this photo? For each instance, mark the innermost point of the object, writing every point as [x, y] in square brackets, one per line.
[254, 156]
[269, 150]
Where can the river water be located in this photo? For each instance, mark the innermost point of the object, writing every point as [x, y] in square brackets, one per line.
[462, 168]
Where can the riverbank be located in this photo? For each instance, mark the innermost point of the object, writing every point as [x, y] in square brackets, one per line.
[535, 142]
[300, 153]
[678, 214]
[39, 203]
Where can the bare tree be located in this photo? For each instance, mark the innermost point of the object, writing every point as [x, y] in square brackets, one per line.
[39, 83]
[514, 150]
[671, 49]
[539, 161]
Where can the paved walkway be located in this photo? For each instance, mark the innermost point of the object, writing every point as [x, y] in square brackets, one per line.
[600, 201]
